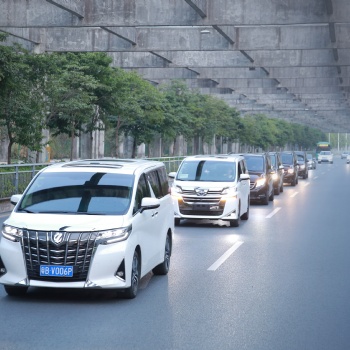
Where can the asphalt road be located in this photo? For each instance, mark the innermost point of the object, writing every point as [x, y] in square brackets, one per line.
[280, 281]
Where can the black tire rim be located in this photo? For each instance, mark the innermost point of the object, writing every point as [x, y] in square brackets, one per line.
[135, 274]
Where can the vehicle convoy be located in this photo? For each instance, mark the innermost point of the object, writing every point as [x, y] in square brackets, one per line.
[291, 168]
[261, 177]
[279, 172]
[89, 224]
[325, 157]
[303, 170]
[211, 187]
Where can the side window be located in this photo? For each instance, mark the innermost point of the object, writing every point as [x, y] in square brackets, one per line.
[153, 179]
[163, 177]
[141, 192]
[240, 170]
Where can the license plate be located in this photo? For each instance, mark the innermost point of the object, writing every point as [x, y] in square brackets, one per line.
[200, 207]
[56, 271]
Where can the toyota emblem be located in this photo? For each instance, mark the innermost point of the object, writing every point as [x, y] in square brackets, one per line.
[58, 237]
[201, 191]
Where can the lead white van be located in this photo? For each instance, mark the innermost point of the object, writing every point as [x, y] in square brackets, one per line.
[211, 187]
[89, 224]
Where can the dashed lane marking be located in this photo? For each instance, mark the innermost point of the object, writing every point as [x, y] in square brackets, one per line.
[294, 194]
[273, 213]
[225, 256]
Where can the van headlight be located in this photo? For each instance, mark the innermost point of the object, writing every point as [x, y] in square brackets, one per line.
[260, 182]
[115, 235]
[176, 191]
[14, 234]
[229, 192]
[290, 171]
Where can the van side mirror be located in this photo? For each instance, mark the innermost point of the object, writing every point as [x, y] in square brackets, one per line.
[149, 203]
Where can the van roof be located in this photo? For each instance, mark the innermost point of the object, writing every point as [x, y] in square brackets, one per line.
[219, 157]
[127, 166]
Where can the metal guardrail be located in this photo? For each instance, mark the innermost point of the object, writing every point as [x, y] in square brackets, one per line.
[16, 177]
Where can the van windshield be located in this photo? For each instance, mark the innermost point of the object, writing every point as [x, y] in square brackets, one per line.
[79, 192]
[207, 170]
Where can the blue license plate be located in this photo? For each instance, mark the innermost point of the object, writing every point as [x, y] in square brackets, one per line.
[56, 271]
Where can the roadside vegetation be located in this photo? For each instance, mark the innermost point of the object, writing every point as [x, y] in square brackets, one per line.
[73, 93]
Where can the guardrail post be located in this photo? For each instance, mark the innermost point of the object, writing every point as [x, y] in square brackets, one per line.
[16, 178]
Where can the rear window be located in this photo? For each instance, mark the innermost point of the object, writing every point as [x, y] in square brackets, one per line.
[75, 193]
[207, 170]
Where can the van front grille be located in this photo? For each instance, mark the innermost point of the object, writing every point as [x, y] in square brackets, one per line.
[74, 249]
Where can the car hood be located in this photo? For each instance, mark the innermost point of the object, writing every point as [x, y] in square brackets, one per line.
[255, 175]
[64, 222]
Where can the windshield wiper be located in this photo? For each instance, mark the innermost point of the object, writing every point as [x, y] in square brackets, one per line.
[27, 211]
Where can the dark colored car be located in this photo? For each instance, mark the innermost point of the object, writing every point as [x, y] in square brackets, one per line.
[261, 182]
[279, 172]
[290, 164]
[302, 163]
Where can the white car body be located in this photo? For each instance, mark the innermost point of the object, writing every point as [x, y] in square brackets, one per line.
[97, 248]
[325, 157]
[218, 198]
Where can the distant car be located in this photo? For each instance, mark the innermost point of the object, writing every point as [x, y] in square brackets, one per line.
[290, 163]
[348, 159]
[261, 181]
[311, 161]
[344, 155]
[302, 163]
[279, 172]
[325, 157]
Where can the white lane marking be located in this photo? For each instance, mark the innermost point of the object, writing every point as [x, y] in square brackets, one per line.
[273, 213]
[294, 194]
[307, 184]
[225, 256]
[315, 177]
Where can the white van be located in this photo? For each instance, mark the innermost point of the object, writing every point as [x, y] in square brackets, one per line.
[211, 187]
[89, 224]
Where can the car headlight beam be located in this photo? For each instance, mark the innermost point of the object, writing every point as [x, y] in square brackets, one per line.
[11, 233]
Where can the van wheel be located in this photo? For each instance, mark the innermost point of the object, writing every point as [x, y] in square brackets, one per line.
[236, 222]
[131, 292]
[163, 268]
[265, 201]
[15, 291]
[277, 191]
[245, 216]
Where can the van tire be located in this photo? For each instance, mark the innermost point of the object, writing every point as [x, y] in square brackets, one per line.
[131, 292]
[163, 268]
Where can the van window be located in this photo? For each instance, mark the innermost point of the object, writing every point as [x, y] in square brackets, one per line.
[163, 177]
[153, 179]
[141, 192]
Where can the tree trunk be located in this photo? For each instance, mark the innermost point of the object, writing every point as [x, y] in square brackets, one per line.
[9, 152]
[134, 148]
[72, 144]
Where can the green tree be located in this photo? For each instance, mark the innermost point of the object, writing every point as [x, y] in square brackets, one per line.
[135, 108]
[71, 97]
[21, 100]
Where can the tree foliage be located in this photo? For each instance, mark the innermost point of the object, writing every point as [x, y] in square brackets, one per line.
[75, 93]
